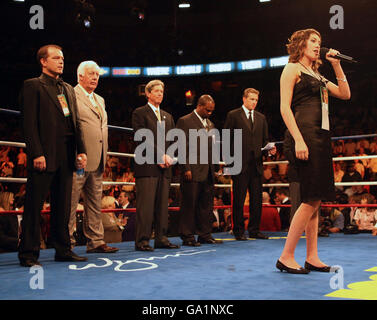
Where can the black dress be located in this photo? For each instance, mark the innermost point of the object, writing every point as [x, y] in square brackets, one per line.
[315, 175]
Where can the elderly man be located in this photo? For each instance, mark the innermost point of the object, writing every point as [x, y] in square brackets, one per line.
[93, 120]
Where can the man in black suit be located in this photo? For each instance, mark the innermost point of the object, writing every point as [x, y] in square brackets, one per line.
[197, 178]
[153, 171]
[124, 202]
[281, 195]
[254, 137]
[217, 216]
[53, 138]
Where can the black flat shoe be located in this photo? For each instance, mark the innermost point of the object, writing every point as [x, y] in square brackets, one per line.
[283, 267]
[309, 266]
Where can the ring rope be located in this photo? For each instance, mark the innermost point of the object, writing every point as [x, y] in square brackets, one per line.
[133, 210]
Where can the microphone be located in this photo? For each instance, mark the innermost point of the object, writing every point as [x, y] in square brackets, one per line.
[341, 57]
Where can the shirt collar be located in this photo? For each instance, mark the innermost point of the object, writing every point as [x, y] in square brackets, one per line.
[246, 110]
[89, 95]
[200, 118]
[153, 107]
[50, 80]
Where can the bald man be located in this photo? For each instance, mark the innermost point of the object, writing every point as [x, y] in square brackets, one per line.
[197, 179]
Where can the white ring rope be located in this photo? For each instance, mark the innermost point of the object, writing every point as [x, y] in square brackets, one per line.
[265, 185]
[131, 155]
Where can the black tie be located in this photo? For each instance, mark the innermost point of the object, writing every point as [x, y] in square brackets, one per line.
[251, 120]
[59, 85]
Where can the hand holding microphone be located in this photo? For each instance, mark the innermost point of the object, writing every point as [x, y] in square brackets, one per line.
[333, 55]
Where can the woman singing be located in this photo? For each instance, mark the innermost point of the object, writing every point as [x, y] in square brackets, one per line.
[304, 108]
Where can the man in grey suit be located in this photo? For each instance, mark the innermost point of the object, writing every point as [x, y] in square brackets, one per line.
[93, 120]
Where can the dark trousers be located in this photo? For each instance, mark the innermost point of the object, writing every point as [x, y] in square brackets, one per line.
[250, 180]
[196, 208]
[59, 183]
[152, 194]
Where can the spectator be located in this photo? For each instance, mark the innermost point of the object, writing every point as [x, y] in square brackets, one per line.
[338, 148]
[281, 197]
[217, 217]
[350, 147]
[6, 168]
[267, 173]
[359, 167]
[124, 200]
[270, 220]
[4, 153]
[9, 224]
[21, 163]
[342, 198]
[113, 226]
[372, 168]
[338, 172]
[331, 220]
[366, 218]
[351, 175]
[373, 146]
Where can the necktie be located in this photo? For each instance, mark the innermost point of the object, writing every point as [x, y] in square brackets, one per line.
[95, 105]
[251, 120]
[59, 85]
[158, 115]
[205, 123]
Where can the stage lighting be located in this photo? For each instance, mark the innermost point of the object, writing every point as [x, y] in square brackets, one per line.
[184, 4]
[190, 95]
[139, 12]
[85, 13]
[87, 22]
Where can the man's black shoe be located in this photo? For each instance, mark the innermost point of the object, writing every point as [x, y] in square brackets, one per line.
[191, 243]
[241, 238]
[168, 245]
[145, 247]
[209, 241]
[70, 256]
[29, 263]
[258, 235]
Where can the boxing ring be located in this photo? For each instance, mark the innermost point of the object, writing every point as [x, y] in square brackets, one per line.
[243, 270]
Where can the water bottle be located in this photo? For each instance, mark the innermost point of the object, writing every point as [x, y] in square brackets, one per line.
[80, 172]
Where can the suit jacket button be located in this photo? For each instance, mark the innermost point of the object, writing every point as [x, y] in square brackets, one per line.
[100, 141]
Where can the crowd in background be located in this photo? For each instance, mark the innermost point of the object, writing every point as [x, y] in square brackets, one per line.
[119, 226]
